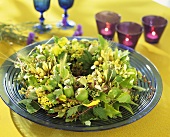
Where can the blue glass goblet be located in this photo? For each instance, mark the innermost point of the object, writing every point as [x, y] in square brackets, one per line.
[65, 24]
[42, 6]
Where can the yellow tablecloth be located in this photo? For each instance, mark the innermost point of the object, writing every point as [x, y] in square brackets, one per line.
[154, 124]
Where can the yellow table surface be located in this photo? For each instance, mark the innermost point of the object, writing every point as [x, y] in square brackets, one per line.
[154, 124]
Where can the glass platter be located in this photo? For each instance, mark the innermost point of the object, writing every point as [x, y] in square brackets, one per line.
[147, 100]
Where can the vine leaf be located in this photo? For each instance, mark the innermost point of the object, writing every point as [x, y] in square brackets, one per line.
[100, 112]
[71, 111]
[124, 105]
[112, 112]
[124, 98]
[31, 106]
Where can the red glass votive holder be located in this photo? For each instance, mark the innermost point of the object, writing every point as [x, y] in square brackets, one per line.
[106, 21]
[153, 28]
[129, 33]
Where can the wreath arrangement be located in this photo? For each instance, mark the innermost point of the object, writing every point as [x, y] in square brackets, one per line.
[78, 80]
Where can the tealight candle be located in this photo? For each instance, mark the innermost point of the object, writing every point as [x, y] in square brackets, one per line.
[152, 35]
[129, 33]
[127, 42]
[153, 27]
[106, 22]
[106, 31]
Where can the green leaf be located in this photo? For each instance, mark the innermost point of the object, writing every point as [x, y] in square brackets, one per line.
[52, 98]
[105, 67]
[87, 114]
[83, 81]
[124, 98]
[61, 114]
[114, 92]
[86, 57]
[87, 61]
[92, 48]
[47, 87]
[113, 74]
[102, 42]
[58, 92]
[31, 106]
[127, 83]
[124, 105]
[31, 109]
[56, 77]
[109, 73]
[56, 39]
[64, 73]
[69, 119]
[52, 82]
[71, 111]
[111, 111]
[133, 103]
[103, 97]
[32, 95]
[119, 79]
[26, 101]
[124, 53]
[43, 81]
[132, 72]
[32, 80]
[116, 53]
[100, 112]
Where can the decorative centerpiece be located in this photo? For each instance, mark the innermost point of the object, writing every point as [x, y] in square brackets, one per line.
[78, 80]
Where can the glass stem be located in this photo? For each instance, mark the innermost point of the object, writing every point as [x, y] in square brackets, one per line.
[65, 16]
[41, 19]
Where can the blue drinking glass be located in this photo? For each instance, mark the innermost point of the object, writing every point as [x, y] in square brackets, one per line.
[42, 6]
[65, 23]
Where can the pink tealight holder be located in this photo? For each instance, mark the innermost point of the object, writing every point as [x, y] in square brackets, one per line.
[106, 21]
[129, 33]
[153, 28]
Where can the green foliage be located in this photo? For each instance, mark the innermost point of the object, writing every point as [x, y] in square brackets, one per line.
[31, 106]
[86, 115]
[86, 60]
[32, 81]
[72, 111]
[56, 39]
[111, 111]
[79, 80]
[114, 93]
[124, 98]
[124, 105]
[52, 98]
[100, 112]
[103, 42]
